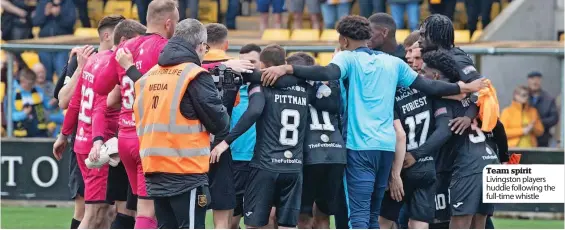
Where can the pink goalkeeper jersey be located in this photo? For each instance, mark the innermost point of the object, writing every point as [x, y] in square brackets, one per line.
[86, 106]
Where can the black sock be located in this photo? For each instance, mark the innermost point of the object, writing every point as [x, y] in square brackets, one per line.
[123, 221]
[75, 223]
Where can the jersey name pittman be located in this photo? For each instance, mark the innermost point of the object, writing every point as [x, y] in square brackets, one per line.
[414, 104]
[284, 99]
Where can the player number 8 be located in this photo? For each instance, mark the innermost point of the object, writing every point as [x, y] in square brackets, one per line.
[293, 128]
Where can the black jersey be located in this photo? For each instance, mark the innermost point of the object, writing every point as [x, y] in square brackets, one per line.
[324, 143]
[414, 109]
[470, 152]
[281, 129]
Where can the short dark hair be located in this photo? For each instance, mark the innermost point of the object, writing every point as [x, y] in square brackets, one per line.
[412, 38]
[384, 19]
[273, 55]
[534, 74]
[217, 33]
[439, 29]
[28, 74]
[109, 22]
[443, 62]
[301, 58]
[250, 48]
[128, 29]
[354, 27]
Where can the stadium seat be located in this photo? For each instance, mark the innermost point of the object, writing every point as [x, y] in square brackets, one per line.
[134, 14]
[95, 10]
[35, 31]
[462, 36]
[276, 35]
[324, 58]
[329, 35]
[305, 35]
[30, 58]
[208, 11]
[561, 37]
[86, 32]
[2, 90]
[118, 7]
[476, 35]
[401, 35]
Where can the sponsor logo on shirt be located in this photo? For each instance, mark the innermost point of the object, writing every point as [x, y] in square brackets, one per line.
[457, 205]
[424, 159]
[286, 161]
[325, 145]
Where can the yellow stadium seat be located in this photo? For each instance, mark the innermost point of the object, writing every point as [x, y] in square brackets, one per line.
[329, 36]
[561, 37]
[476, 35]
[462, 36]
[35, 31]
[95, 10]
[86, 32]
[325, 58]
[207, 11]
[276, 35]
[305, 35]
[134, 14]
[2, 90]
[118, 7]
[30, 58]
[3, 56]
[401, 35]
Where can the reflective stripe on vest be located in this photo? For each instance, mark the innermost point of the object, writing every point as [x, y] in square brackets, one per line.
[175, 146]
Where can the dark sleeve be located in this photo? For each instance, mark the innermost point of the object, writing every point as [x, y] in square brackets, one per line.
[501, 141]
[250, 116]
[465, 65]
[553, 116]
[330, 103]
[39, 18]
[396, 117]
[283, 82]
[472, 111]
[441, 133]
[228, 99]
[317, 73]
[203, 100]
[133, 73]
[435, 87]
[68, 16]
[68, 71]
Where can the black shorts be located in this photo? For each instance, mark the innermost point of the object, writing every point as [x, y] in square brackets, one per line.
[186, 210]
[443, 212]
[118, 184]
[76, 183]
[266, 189]
[466, 195]
[419, 199]
[240, 174]
[222, 187]
[322, 184]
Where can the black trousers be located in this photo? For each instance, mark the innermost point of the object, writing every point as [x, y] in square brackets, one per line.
[446, 7]
[142, 6]
[185, 210]
[82, 8]
[476, 8]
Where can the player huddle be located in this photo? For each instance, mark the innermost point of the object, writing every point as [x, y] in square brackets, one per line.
[288, 164]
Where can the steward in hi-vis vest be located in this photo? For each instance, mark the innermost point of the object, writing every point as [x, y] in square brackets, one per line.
[177, 107]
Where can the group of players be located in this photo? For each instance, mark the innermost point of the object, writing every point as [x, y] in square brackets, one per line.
[296, 168]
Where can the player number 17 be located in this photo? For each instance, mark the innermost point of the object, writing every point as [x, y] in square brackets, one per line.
[412, 122]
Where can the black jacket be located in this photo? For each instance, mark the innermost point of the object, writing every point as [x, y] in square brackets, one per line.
[62, 24]
[545, 104]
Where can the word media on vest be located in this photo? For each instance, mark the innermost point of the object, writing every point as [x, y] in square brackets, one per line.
[29, 171]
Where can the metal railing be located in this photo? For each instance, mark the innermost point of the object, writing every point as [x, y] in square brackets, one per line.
[477, 51]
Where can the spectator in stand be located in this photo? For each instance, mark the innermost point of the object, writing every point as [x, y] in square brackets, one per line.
[545, 104]
[445, 7]
[476, 8]
[521, 121]
[411, 7]
[263, 8]
[82, 8]
[54, 115]
[232, 13]
[184, 4]
[333, 10]
[142, 6]
[369, 7]
[297, 8]
[16, 23]
[29, 107]
[54, 17]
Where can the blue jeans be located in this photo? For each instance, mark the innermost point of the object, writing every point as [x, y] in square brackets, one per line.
[366, 178]
[54, 62]
[368, 7]
[412, 9]
[233, 11]
[332, 13]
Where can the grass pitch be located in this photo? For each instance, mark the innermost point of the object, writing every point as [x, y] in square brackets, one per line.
[35, 217]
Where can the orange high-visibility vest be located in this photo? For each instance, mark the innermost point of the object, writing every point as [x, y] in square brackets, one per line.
[169, 143]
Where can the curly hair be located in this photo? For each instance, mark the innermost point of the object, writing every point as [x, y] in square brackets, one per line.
[439, 29]
[354, 27]
[443, 62]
